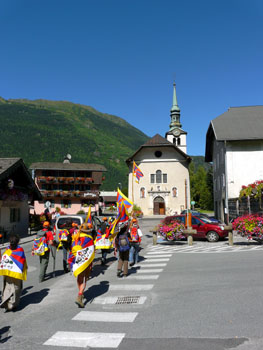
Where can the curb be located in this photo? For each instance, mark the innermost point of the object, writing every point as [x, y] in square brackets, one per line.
[23, 240]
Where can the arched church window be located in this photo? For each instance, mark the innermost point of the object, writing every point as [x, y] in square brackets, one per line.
[174, 192]
[174, 140]
[158, 176]
[178, 141]
[142, 192]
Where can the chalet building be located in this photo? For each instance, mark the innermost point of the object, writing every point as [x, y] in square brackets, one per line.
[164, 189]
[17, 191]
[234, 144]
[69, 186]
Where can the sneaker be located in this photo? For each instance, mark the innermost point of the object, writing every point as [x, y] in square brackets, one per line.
[119, 273]
[132, 263]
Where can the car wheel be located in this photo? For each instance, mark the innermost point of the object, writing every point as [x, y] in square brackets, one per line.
[212, 236]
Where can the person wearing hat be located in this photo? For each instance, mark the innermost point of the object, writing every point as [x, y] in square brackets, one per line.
[80, 258]
[47, 233]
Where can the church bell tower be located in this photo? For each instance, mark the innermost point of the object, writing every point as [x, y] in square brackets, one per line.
[176, 134]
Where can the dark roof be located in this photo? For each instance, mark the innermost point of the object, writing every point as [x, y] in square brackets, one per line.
[9, 166]
[238, 123]
[5, 164]
[67, 166]
[158, 141]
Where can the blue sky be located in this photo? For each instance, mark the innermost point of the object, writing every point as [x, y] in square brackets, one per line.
[121, 57]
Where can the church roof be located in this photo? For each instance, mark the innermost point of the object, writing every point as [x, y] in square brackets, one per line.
[159, 141]
[238, 123]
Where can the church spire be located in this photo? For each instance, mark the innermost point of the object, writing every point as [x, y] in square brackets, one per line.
[175, 112]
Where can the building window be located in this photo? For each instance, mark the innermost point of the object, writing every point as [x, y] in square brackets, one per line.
[174, 192]
[178, 141]
[142, 192]
[174, 140]
[14, 214]
[158, 177]
[223, 180]
[158, 154]
[65, 203]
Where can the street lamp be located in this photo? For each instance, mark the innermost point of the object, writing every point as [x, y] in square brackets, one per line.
[120, 185]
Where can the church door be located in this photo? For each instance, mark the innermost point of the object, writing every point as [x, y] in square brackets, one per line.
[158, 206]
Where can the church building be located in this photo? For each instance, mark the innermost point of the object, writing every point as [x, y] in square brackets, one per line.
[164, 188]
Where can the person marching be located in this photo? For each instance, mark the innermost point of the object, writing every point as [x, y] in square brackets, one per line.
[41, 247]
[80, 258]
[135, 235]
[122, 245]
[65, 239]
[13, 267]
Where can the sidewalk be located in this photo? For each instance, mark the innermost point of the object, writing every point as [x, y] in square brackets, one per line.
[23, 239]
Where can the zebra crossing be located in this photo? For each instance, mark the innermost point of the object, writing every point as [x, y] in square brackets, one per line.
[200, 247]
[148, 269]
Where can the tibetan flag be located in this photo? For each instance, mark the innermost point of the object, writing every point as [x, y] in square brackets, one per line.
[121, 198]
[122, 217]
[88, 217]
[82, 254]
[40, 246]
[62, 237]
[13, 264]
[102, 242]
[137, 172]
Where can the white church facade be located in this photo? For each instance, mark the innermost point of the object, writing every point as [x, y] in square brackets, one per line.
[165, 188]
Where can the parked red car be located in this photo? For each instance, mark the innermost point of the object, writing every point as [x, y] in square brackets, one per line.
[204, 227]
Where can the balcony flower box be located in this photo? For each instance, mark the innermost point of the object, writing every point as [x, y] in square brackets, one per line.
[77, 193]
[70, 179]
[50, 178]
[61, 179]
[57, 193]
[42, 179]
[80, 179]
[88, 179]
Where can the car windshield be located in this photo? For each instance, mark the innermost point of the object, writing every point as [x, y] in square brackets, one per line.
[206, 220]
[67, 222]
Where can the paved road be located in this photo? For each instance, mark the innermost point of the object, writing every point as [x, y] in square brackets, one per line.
[175, 298]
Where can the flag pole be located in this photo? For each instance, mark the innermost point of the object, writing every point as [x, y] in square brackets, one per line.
[132, 185]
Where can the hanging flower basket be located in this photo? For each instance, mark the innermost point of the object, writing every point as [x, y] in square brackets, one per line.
[250, 226]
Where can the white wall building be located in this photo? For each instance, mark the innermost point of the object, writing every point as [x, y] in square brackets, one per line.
[234, 143]
[164, 189]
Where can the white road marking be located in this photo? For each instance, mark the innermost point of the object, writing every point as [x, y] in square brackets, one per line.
[105, 316]
[152, 277]
[158, 256]
[113, 300]
[154, 265]
[85, 339]
[149, 271]
[155, 260]
[131, 287]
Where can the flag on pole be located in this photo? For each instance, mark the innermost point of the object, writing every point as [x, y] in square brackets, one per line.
[121, 217]
[137, 172]
[88, 219]
[121, 198]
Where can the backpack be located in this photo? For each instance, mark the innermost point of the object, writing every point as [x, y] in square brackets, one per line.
[134, 235]
[124, 244]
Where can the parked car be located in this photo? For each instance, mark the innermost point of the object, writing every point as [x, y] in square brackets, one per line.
[67, 220]
[204, 227]
[198, 213]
